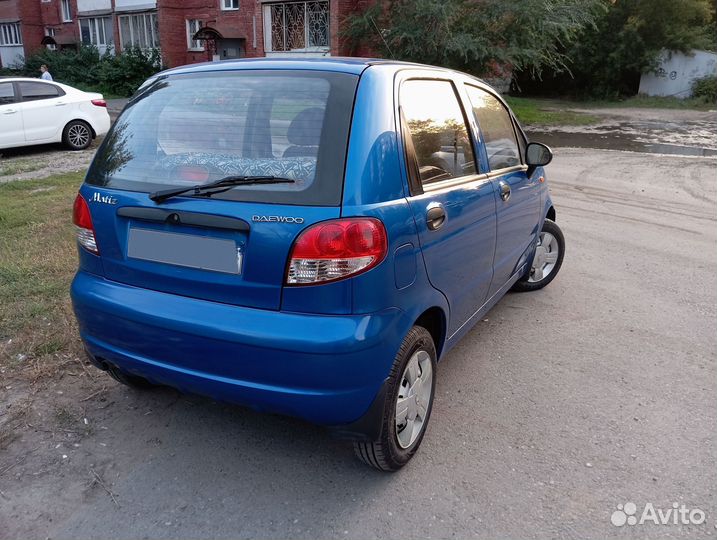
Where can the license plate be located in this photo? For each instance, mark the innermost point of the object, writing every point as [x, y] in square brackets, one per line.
[191, 251]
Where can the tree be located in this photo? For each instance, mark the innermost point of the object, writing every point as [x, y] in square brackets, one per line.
[478, 36]
[607, 59]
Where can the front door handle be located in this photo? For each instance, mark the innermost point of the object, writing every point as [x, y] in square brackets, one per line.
[10, 111]
[504, 190]
[435, 216]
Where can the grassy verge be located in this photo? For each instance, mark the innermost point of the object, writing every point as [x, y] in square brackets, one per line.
[654, 102]
[11, 168]
[541, 112]
[37, 261]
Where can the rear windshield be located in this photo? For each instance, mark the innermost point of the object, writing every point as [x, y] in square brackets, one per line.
[183, 130]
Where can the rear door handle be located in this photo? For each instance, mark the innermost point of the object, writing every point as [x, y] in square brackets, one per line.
[10, 111]
[60, 104]
[435, 216]
[504, 190]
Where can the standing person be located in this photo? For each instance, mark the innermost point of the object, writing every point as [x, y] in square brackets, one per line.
[45, 73]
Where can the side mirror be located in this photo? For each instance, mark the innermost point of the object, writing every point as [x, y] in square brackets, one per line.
[537, 155]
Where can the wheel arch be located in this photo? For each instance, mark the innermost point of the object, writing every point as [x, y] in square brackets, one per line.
[551, 213]
[434, 320]
[84, 121]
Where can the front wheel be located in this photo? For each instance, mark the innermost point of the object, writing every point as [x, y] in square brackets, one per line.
[408, 404]
[547, 260]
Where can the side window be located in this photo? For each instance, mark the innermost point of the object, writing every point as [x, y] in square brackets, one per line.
[437, 130]
[7, 93]
[497, 129]
[32, 91]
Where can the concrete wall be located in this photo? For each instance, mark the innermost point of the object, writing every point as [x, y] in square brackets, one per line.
[676, 72]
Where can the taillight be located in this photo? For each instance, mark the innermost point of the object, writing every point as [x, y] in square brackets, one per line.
[99, 102]
[83, 220]
[336, 249]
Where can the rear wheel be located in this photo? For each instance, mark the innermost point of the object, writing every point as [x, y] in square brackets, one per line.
[547, 260]
[133, 381]
[408, 404]
[77, 135]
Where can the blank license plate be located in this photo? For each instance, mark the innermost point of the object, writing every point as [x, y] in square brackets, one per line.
[215, 254]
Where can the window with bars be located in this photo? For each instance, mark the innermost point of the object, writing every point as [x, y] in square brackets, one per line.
[139, 30]
[10, 34]
[298, 26]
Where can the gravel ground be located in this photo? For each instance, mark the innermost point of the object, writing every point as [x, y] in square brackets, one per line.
[41, 161]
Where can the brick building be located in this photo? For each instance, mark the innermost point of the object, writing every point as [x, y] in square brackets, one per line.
[25, 24]
[185, 31]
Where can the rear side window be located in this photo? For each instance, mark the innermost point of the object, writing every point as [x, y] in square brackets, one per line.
[198, 128]
[33, 91]
[7, 93]
[436, 130]
[497, 129]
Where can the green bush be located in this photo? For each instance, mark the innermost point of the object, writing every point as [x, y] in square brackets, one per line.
[122, 74]
[705, 89]
[86, 69]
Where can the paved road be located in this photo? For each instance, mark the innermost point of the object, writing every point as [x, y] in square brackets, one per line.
[599, 390]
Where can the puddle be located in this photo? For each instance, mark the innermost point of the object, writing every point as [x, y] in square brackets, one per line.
[695, 138]
[617, 141]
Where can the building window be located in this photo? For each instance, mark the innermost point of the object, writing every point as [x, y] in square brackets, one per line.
[10, 34]
[96, 31]
[139, 30]
[229, 4]
[193, 26]
[298, 26]
[66, 11]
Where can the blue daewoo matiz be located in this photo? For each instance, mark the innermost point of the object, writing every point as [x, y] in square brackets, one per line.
[308, 237]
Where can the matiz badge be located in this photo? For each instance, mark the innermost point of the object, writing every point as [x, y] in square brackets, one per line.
[107, 199]
[277, 219]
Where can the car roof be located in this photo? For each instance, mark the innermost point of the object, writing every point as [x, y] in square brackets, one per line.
[344, 64]
[27, 79]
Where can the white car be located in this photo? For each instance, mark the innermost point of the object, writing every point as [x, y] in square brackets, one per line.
[34, 111]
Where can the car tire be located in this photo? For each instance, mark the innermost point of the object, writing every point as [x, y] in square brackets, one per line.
[77, 135]
[133, 381]
[413, 369]
[547, 260]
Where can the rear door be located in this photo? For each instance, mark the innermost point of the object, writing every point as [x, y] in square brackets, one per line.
[10, 117]
[182, 131]
[452, 202]
[43, 109]
[517, 195]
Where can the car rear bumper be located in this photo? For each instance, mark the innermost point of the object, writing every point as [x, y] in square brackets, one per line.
[325, 369]
[101, 123]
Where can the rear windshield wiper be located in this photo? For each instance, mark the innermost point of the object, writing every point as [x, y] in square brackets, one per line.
[218, 186]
